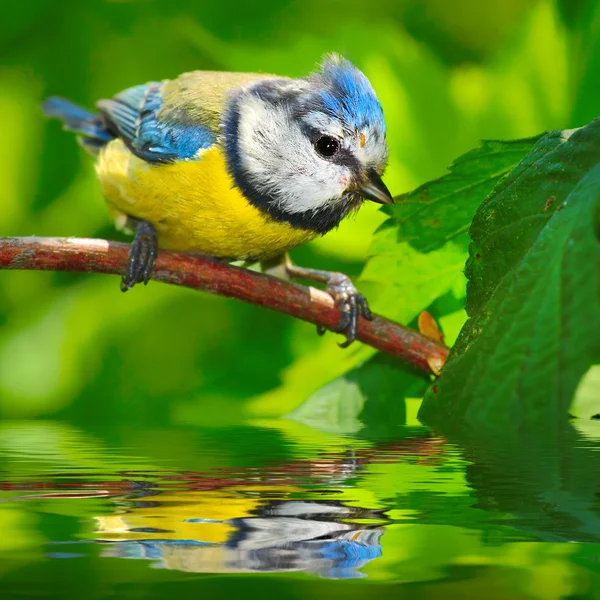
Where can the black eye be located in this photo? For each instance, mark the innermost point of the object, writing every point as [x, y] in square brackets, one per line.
[327, 146]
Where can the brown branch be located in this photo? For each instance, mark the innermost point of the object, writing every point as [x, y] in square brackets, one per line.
[217, 277]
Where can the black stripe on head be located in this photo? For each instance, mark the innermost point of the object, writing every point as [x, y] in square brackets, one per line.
[343, 157]
[319, 220]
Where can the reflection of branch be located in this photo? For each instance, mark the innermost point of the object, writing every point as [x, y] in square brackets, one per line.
[326, 468]
[217, 277]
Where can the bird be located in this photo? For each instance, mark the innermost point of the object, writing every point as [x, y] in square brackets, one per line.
[239, 166]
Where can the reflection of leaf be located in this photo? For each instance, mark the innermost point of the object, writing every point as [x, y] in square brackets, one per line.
[369, 397]
[533, 288]
[22, 535]
[544, 482]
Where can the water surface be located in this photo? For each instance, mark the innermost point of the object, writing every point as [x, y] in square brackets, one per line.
[280, 510]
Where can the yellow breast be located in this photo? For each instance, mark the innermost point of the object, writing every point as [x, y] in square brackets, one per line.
[194, 205]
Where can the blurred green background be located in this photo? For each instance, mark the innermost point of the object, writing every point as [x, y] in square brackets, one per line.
[448, 74]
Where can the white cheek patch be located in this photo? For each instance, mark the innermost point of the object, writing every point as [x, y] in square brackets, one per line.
[279, 158]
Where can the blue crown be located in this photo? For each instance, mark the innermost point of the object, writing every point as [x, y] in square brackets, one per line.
[348, 95]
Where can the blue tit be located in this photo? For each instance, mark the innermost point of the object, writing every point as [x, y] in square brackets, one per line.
[240, 166]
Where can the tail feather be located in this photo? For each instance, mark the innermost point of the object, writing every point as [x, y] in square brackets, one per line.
[79, 120]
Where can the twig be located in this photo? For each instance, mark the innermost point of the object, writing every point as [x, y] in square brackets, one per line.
[217, 277]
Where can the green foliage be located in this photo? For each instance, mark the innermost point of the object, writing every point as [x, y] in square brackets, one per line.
[441, 210]
[585, 404]
[152, 390]
[369, 399]
[417, 257]
[447, 75]
[534, 291]
[575, 12]
[417, 254]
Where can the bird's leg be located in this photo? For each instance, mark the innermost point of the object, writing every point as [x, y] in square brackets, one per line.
[347, 298]
[142, 253]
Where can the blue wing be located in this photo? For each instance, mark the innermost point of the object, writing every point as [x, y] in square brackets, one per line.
[133, 115]
[91, 128]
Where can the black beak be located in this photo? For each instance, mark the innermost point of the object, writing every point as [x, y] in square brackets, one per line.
[374, 189]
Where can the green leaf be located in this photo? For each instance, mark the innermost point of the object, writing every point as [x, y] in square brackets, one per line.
[334, 408]
[586, 403]
[369, 399]
[409, 281]
[533, 296]
[418, 254]
[442, 210]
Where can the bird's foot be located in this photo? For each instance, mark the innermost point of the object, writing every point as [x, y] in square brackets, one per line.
[142, 255]
[351, 304]
[348, 300]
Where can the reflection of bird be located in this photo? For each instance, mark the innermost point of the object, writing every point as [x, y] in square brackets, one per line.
[237, 165]
[204, 532]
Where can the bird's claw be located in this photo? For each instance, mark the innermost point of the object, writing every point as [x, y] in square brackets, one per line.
[142, 256]
[351, 305]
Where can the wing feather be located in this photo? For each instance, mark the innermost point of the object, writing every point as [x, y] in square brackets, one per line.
[133, 116]
[162, 122]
